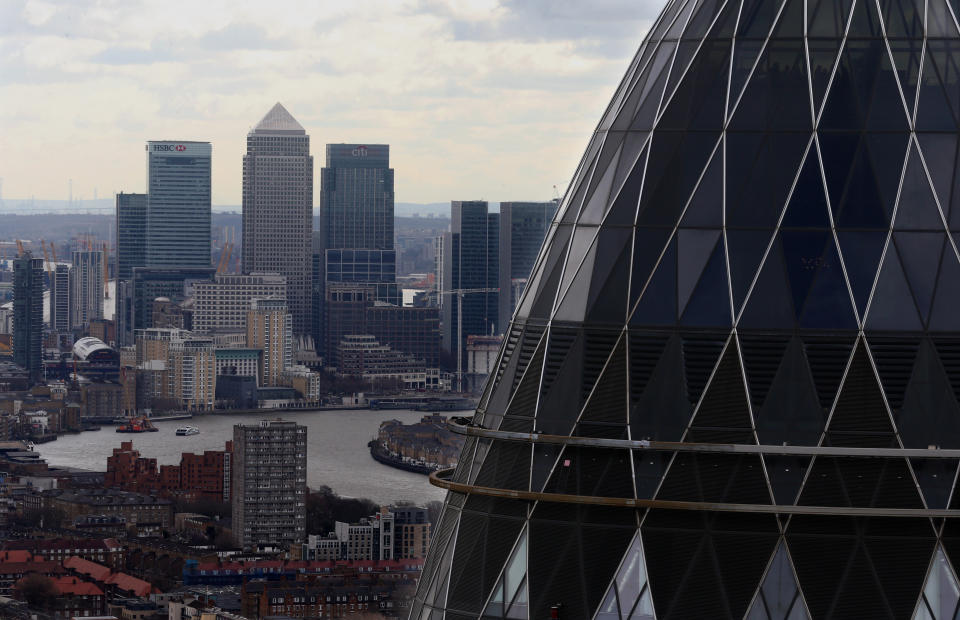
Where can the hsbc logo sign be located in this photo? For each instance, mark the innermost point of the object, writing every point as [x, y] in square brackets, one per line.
[179, 148]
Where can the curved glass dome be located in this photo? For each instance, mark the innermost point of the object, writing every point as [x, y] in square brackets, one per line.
[731, 387]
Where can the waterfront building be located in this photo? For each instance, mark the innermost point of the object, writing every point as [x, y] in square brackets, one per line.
[239, 362]
[356, 213]
[470, 263]
[28, 315]
[270, 329]
[734, 361]
[193, 370]
[224, 302]
[198, 477]
[410, 330]
[178, 204]
[136, 298]
[60, 299]
[131, 222]
[278, 208]
[303, 380]
[523, 226]
[269, 484]
[86, 287]
[363, 356]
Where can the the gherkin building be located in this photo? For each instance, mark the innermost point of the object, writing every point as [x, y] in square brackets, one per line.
[732, 386]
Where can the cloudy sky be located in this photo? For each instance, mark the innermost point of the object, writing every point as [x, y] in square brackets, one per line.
[490, 99]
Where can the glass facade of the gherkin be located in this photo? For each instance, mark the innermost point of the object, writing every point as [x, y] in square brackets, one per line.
[731, 387]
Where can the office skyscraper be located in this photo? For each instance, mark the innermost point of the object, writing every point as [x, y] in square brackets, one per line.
[86, 287]
[356, 213]
[28, 315]
[131, 222]
[178, 204]
[523, 225]
[730, 389]
[278, 208]
[269, 484]
[470, 262]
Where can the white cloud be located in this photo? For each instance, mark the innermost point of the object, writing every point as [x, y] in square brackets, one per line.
[492, 98]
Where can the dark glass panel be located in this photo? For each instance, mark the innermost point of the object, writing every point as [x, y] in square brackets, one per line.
[903, 18]
[917, 208]
[658, 303]
[791, 413]
[828, 305]
[756, 199]
[598, 200]
[662, 410]
[786, 474]
[861, 257]
[704, 17]
[608, 295]
[920, 255]
[724, 408]
[593, 472]
[946, 299]
[892, 306]
[864, 93]
[700, 100]
[695, 247]
[791, 20]
[779, 589]
[560, 398]
[770, 304]
[827, 357]
[936, 478]
[940, 154]
[482, 547]
[899, 551]
[681, 60]
[715, 477]
[803, 252]
[860, 417]
[648, 468]
[865, 23]
[761, 355]
[746, 248]
[544, 460]
[930, 415]
[906, 59]
[626, 195]
[701, 352]
[676, 161]
[777, 97]
[808, 203]
[937, 108]
[608, 399]
[709, 305]
[648, 243]
[894, 357]
[756, 18]
[706, 205]
[827, 18]
[822, 56]
[641, 105]
[939, 20]
[745, 54]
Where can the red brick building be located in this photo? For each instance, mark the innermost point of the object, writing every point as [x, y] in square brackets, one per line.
[198, 477]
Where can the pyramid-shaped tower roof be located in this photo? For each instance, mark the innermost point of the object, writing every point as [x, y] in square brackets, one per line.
[278, 120]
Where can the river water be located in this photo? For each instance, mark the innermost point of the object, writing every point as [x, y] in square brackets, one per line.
[337, 453]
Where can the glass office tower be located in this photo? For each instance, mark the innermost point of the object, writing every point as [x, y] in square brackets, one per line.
[730, 389]
[178, 204]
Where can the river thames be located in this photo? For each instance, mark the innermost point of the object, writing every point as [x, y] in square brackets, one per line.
[337, 453]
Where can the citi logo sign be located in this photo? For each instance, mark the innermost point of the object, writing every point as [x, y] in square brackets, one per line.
[360, 151]
[169, 147]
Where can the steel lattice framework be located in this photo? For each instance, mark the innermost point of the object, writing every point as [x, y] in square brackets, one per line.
[731, 387]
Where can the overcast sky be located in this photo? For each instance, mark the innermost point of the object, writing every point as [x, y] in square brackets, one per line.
[490, 99]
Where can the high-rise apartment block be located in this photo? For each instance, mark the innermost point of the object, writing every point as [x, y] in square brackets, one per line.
[269, 484]
[193, 367]
[278, 208]
[28, 315]
[270, 329]
[523, 226]
[224, 303]
[86, 287]
[178, 204]
[131, 222]
[470, 266]
[60, 299]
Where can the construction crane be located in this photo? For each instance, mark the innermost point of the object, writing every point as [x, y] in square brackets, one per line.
[19, 248]
[46, 261]
[460, 292]
[106, 272]
[224, 258]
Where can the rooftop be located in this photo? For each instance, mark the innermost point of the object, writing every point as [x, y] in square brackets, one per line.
[278, 120]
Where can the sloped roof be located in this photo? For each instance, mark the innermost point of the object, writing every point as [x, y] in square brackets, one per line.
[278, 119]
[76, 587]
[131, 584]
[86, 567]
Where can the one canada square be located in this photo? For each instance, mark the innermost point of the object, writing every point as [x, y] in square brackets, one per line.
[730, 389]
[278, 208]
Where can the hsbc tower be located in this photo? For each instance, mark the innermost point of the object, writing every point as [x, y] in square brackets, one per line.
[178, 204]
